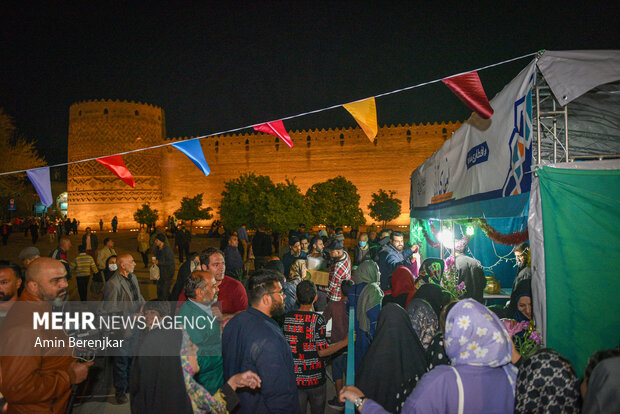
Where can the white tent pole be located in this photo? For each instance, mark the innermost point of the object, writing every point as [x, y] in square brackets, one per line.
[538, 122]
[555, 135]
[566, 130]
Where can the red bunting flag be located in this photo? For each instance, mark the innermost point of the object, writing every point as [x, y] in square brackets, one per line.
[115, 164]
[276, 128]
[469, 90]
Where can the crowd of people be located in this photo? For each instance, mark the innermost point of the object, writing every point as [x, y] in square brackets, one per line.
[53, 227]
[268, 349]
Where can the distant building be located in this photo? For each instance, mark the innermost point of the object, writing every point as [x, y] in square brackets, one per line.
[163, 176]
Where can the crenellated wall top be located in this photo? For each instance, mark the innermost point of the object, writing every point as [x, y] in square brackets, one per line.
[318, 132]
[107, 108]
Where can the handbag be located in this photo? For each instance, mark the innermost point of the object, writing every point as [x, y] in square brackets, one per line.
[154, 272]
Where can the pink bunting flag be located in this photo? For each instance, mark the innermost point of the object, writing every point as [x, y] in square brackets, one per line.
[116, 164]
[276, 128]
[469, 90]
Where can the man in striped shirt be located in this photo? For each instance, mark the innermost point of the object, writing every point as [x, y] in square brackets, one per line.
[83, 266]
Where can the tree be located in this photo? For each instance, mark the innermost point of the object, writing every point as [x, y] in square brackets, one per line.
[17, 154]
[286, 208]
[245, 200]
[384, 207]
[145, 215]
[191, 209]
[335, 202]
[255, 200]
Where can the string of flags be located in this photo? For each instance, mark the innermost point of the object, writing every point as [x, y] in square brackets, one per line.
[466, 86]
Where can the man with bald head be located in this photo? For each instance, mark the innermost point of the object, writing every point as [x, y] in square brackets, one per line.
[122, 293]
[201, 289]
[46, 279]
[38, 379]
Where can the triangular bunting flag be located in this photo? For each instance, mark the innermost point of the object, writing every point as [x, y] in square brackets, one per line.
[193, 150]
[40, 178]
[365, 113]
[469, 90]
[276, 128]
[115, 164]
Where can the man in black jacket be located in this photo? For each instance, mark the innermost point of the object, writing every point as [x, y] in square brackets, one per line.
[165, 260]
[90, 241]
[261, 246]
[471, 272]
[186, 269]
[182, 238]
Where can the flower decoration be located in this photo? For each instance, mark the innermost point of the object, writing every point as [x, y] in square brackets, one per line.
[449, 280]
[528, 342]
[513, 327]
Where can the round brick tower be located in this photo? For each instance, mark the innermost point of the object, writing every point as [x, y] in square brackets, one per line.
[100, 128]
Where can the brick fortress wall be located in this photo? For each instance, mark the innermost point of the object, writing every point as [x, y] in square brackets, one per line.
[99, 128]
[165, 176]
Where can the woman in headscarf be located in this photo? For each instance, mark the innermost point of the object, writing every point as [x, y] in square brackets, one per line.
[520, 306]
[593, 361]
[403, 287]
[436, 351]
[547, 384]
[395, 360]
[434, 295]
[156, 381]
[366, 297]
[110, 267]
[423, 319]
[603, 392]
[99, 279]
[481, 378]
[297, 273]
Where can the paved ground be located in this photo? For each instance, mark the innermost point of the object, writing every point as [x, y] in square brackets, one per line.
[100, 393]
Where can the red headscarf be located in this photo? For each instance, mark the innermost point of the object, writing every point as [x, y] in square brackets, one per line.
[403, 282]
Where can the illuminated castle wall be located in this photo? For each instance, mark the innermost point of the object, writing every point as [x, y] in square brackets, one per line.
[164, 176]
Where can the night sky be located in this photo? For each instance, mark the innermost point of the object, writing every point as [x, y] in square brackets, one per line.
[230, 64]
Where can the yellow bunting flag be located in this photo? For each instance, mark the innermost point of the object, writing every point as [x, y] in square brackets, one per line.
[365, 113]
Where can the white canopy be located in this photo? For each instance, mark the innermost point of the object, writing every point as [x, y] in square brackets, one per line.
[484, 170]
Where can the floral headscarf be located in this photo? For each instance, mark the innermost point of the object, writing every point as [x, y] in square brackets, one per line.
[202, 401]
[423, 319]
[476, 336]
[298, 270]
[547, 383]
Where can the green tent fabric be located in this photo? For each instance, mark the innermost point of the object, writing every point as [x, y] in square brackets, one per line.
[581, 222]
